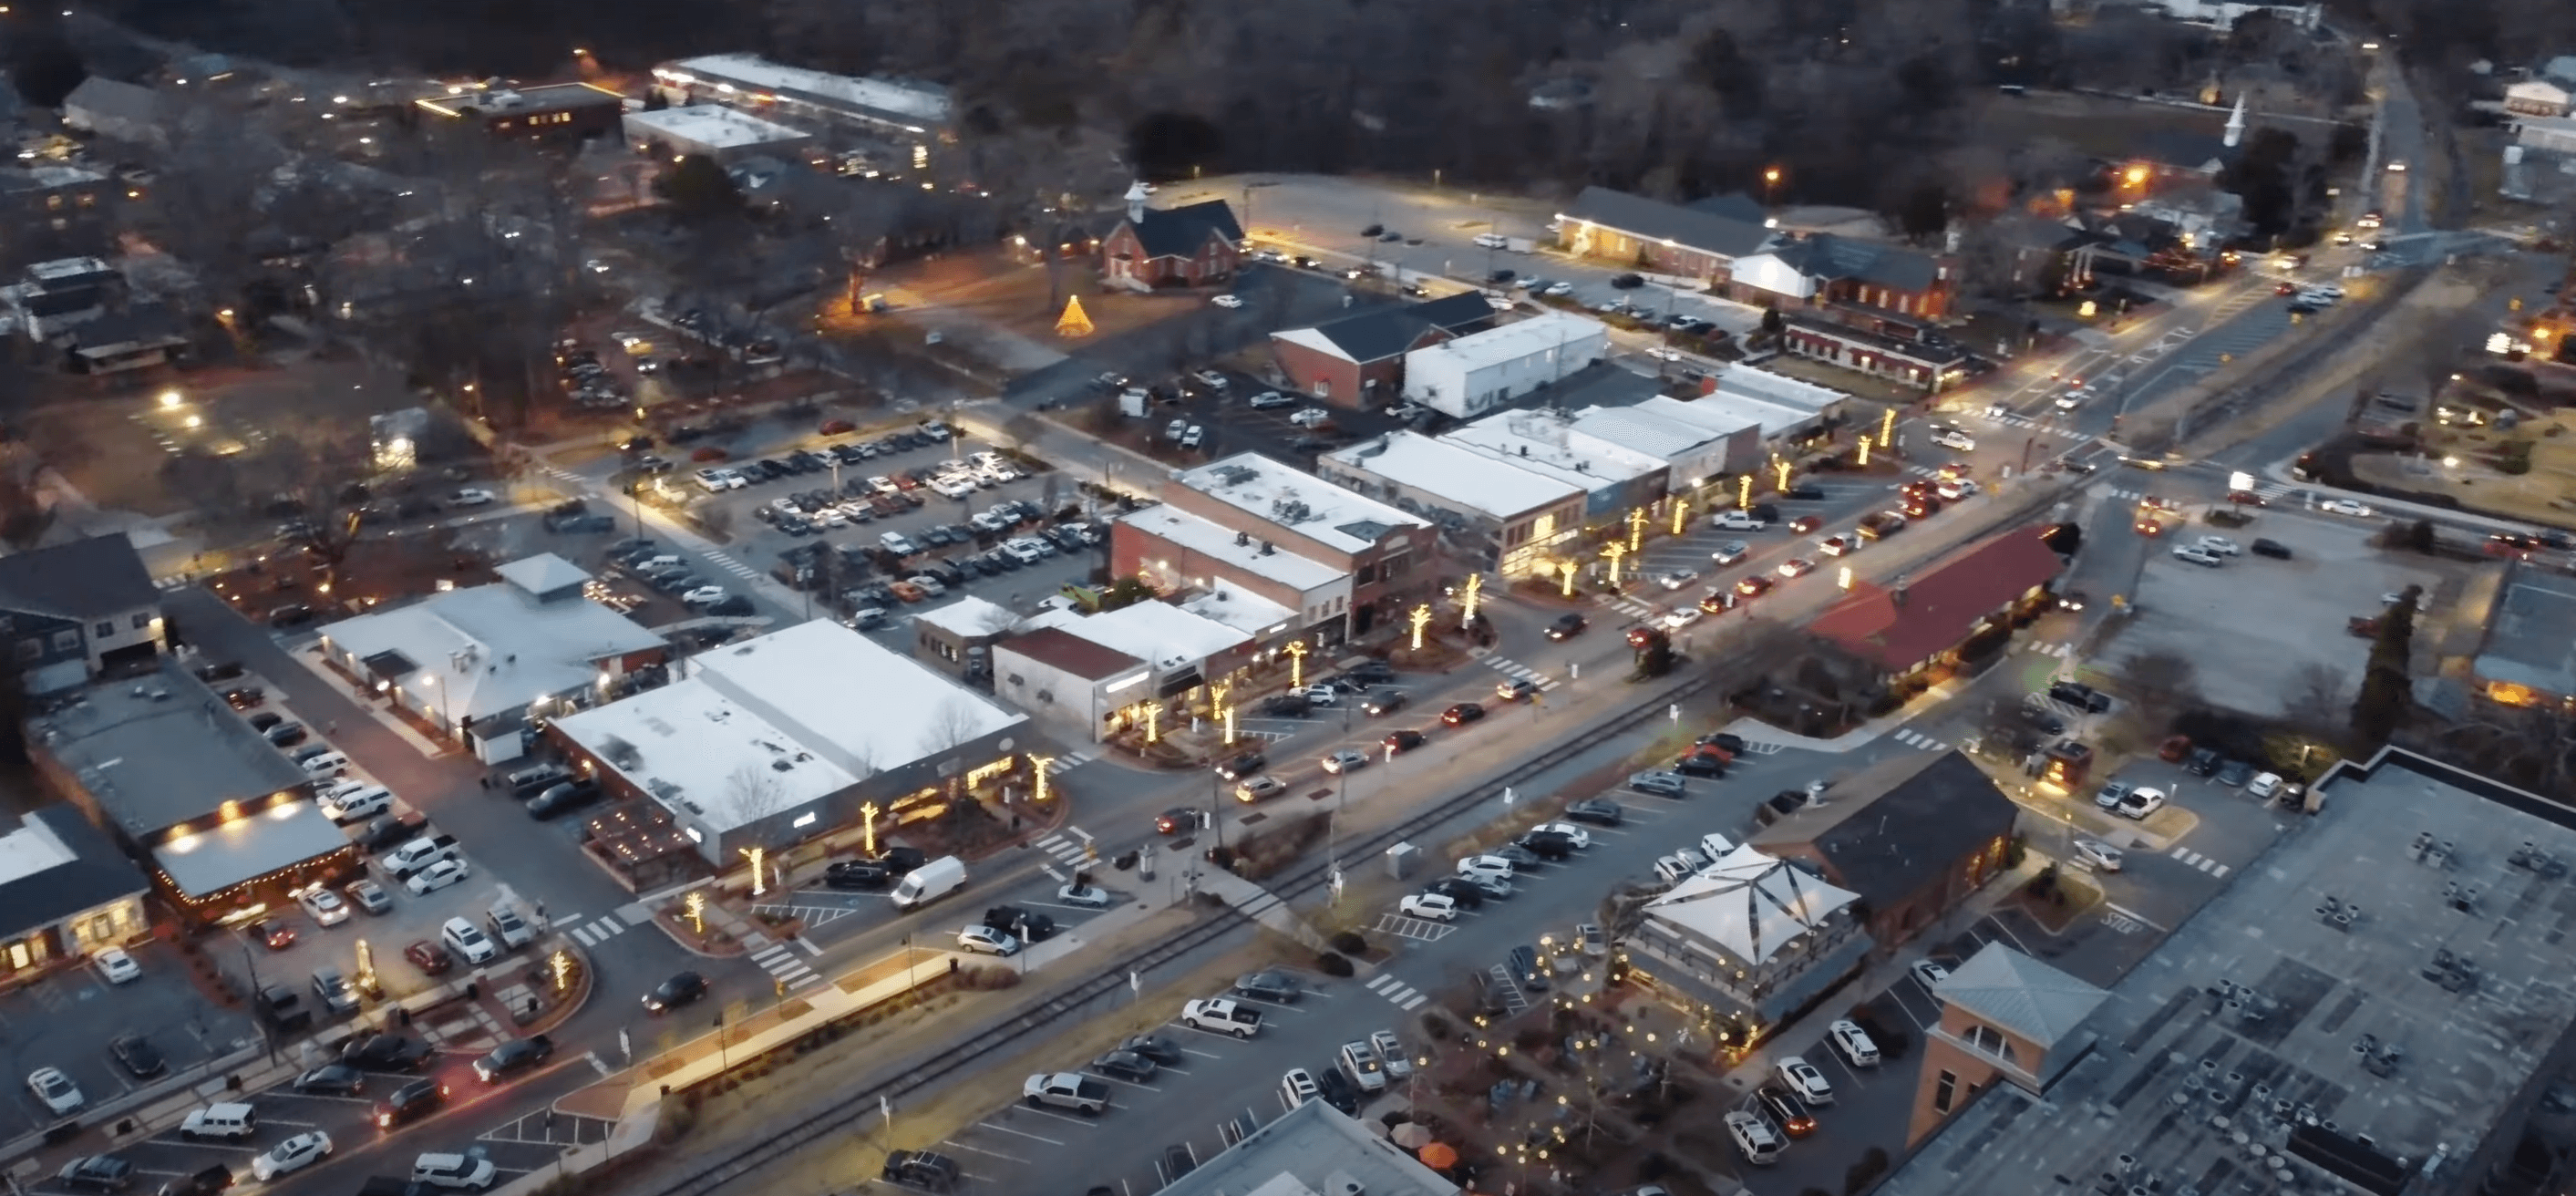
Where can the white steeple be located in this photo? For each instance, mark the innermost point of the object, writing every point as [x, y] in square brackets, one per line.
[2236, 122]
[1136, 199]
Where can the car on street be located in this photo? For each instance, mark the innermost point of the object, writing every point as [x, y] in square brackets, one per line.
[514, 1056]
[1462, 714]
[1228, 301]
[1731, 552]
[2101, 855]
[386, 1052]
[410, 1103]
[1382, 703]
[1253, 789]
[2344, 506]
[2217, 546]
[471, 496]
[2194, 555]
[332, 1079]
[271, 933]
[97, 1173]
[1597, 811]
[1345, 760]
[1754, 586]
[1797, 567]
[292, 1155]
[1400, 742]
[1566, 626]
[1176, 820]
[1242, 766]
[681, 989]
[984, 940]
[55, 1091]
[1519, 689]
[136, 1054]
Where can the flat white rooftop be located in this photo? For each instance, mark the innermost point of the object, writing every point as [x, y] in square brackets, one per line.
[1649, 427]
[923, 103]
[1460, 478]
[695, 748]
[1329, 514]
[30, 849]
[712, 125]
[1241, 609]
[1158, 633]
[1512, 342]
[1545, 442]
[969, 617]
[1203, 537]
[1750, 382]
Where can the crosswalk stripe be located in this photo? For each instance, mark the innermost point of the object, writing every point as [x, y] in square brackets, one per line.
[1416, 1002]
[1382, 980]
[581, 934]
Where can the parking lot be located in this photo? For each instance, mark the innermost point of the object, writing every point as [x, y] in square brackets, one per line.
[68, 1020]
[2252, 664]
[824, 514]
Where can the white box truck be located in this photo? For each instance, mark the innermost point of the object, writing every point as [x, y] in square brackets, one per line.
[930, 882]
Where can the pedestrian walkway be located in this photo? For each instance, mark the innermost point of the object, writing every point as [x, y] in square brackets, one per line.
[2060, 651]
[1064, 762]
[728, 564]
[310, 656]
[602, 929]
[2036, 423]
[1917, 739]
[2202, 862]
[1763, 747]
[1635, 607]
[781, 961]
[1517, 671]
[1403, 996]
[1421, 930]
[1071, 846]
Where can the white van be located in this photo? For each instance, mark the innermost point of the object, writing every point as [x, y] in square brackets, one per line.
[328, 764]
[366, 801]
[930, 882]
[1852, 1043]
[1754, 1138]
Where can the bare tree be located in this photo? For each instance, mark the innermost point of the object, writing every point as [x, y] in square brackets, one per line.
[2160, 684]
[953, 725]
[2319, 698]
[754, 794]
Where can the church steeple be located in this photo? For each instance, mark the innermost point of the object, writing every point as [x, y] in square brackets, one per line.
[1136, 201]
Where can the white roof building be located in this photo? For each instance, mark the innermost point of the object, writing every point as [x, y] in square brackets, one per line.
[1700, 441]
[1451, 477]
[712, 131]
[1241, 609]
[490, 652]
[1162, 635]
[1333, 516]
[912, 107]
[1548, 443]
[1744, 381]
[1750, 904]
[1474, 374]
[779, 736]
[969, 617]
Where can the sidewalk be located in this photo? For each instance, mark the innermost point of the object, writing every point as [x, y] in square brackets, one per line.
[310, 656]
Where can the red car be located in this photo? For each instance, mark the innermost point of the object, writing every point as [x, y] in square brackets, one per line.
[431, 958]
[277, 935]
[1805, 523]
[1753, 587]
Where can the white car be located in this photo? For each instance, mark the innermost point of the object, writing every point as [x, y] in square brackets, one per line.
[1581, 838]
[1729, 553]
[1085, 896]
[2099, 854]
[2198, 556]
[951, 487]
[1560, 289]
[115, 966]
[1270, 398]
[2218, 546]
[1796, 567]
[884, 485]
[1346, 760]
[1310, 417]
[1318, 695]
[295, 1154]
[2264, 786]
[704, 596]
[1803, 1079]
[1590, 939]
[1480, 866]
[2074, 397]
[1676, 620]
[56, 1090]
[1228, 301]
[1435, 906]
[1853, 1042]
[1928, 973]
[1953, 438]
[453, 1171]
[471, 496]
[2138, 803]
[1675, 579]
[984, 940]
[325, 905]
[2344, 506]
[435, 877]
[1213, 379]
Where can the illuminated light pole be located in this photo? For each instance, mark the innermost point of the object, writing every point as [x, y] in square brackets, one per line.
[1420, 618]
[1037, 765]
[1864, 450]
[367, 956]
[1297, 665]
[1887, 427]
[1569, 569]
[560, 963]
[1229, 725]
[759, 876]
[1153, 722]
[868, 819]
[697, 907]
[1681, 516]
[1469, 596]
[1782, 467]
[1636, 529]
[1846, 579]
[1614, 551]
[1744, 493]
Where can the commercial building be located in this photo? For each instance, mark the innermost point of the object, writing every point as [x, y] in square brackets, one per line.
[903, 111]
[785, 736]
[1081, 689]
[1472, 375]
[1700, 442]
[65, 892]
[1748, 942]
[1311, 1150]
[2536, 97]
[2376, 1003]
[2529, 654]
[56, 209]
[2003, 1017]
[1181, 650]
[1177, 552]
[1921, 623]
[1696, 243]
[958, 638]
[479, 662]
[711, 131]
[1189, 246]
[1358, 360]
[1499, 516]
[1826, 269]
[1385, 550]
[223, 820]
[549, 111]
[1614, 479]
[1789, 409]
[1932, 366]
[80, 611]
[1913, 836]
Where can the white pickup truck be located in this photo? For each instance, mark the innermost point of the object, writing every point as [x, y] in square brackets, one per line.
[1738, 521]
[1222, 1016]
[1066, 1090]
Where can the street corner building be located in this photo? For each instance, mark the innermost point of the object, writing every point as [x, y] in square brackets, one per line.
[786, 736]
[1749, 941]
[1913, 837]
[1928, 623]
[66, 892]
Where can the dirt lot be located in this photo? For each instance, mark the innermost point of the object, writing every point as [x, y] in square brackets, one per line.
[2460, 462]
[992, 287]
[2253, 664]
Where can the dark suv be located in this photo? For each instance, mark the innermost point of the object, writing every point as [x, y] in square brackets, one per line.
[1566, 627]
[920, 1169]
[516, 1055]
[409, 1103]
[861, 875]
[1028, 924]
[2201, 763]
[1242, 766]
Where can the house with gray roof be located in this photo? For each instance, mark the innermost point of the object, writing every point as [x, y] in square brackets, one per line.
[1358, 360]
[2529, 654]
[1655, 237]
[118, 111]
[1191, 245]
[2004, 1017]
[65, 893]
[79, 611]
[1825, 269]
[1913, 836]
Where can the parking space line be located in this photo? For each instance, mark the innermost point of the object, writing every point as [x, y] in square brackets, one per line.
[1115, 1080]
[1092, 1122]
[1019, 1133]
[1202, 1054]
[980, 1150]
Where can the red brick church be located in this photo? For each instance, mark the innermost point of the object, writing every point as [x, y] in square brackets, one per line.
[1186, 246]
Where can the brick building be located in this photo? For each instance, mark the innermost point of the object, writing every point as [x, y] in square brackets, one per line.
[1358, 360]
[1348, 559]
[1913, 836]
[546, 112]
[1193, 245]
[1700, 241]
[1826, 269]
[2004, 1016]
[1920, 622]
